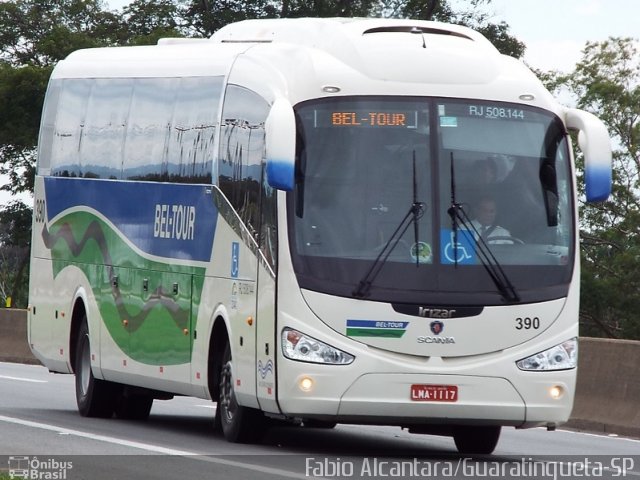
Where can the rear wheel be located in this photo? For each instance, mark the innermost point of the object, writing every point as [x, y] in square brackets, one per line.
[476, 439]
[239, 424]
[95, 397]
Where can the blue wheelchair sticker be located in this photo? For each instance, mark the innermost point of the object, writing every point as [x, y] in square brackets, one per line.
[235, 259]
[461, 250]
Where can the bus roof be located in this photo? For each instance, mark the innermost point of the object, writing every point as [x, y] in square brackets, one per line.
[180, 59]
[363, 56]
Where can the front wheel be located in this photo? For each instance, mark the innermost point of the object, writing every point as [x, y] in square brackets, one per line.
[239, 424]
[476, 439]
[95, 397]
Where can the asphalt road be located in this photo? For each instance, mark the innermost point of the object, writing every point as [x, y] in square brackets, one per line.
[41, 431]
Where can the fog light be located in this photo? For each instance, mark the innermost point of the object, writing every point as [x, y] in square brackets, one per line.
[305, 384]
[556, 392]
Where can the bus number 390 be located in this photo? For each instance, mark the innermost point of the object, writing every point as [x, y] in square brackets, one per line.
[527, 323]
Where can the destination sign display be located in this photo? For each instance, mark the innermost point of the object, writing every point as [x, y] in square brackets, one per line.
[367, 118]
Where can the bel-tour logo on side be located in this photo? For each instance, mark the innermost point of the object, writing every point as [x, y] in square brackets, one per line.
[174, 221]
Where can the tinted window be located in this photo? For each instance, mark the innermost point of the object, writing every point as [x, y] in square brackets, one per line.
[153, 129]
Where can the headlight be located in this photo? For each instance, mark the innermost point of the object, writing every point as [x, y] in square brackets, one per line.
[301, 347]
[560, 357]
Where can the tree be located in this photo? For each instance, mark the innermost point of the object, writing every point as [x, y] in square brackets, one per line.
[607, 82]
[15, 238]
[329, 8]
[146, 21]
[21, 97]
[41, 32]
[208, 16]
[476, 16]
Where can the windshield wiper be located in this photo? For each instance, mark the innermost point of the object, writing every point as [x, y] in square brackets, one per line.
[416, 211]
[486, 256]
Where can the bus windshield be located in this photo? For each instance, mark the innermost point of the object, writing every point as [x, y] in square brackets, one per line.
[366, 165]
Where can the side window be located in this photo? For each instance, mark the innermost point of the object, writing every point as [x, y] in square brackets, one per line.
[153, 129]
[172, 128]
[241, 162]
[68, 127]
[47, 132]
[148, 128]
[193, 128]
[105, 127]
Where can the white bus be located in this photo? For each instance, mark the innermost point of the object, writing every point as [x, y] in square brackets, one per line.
[281, 219]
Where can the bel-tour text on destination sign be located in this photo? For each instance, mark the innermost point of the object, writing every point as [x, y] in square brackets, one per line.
[174, 221]
[468, 467]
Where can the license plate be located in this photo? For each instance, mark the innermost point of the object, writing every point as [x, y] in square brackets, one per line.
[434, 393]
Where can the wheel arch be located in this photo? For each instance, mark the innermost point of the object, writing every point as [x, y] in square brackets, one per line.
[218, 339]
[78, 313]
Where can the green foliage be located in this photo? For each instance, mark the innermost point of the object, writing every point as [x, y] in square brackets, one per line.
[21, 97]
[607, 83]
[15, 237]
[41, 32]
[329, 8]
[498, 34]
[146, 21]
[205, 17]
[15, 225]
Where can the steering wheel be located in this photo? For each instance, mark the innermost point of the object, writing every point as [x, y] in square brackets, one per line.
[504, 238]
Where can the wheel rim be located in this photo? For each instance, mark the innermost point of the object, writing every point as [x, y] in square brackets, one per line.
[85, 366]
[228, 403]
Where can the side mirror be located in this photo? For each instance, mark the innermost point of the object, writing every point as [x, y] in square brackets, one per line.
[595, 144]
[280, 142]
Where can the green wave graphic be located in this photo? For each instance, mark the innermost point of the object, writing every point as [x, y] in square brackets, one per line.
[157, 316]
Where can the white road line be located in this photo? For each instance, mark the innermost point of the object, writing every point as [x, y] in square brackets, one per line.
[601, 435]
[154, 448]
[93, 436]
[22, 379]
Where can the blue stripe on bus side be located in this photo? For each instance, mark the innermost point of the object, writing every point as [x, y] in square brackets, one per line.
[175, 221]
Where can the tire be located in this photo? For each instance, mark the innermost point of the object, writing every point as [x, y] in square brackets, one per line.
[133, 406]
[476, 439]
[239, 424]
[95, 398]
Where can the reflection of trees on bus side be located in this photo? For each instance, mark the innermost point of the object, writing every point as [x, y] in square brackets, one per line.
[204, 178]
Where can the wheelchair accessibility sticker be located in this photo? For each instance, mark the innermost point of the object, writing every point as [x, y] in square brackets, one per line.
[461, 250]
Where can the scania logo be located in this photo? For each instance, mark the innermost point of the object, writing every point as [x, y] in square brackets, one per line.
[436, 327]
[429, 312]
[444, 340]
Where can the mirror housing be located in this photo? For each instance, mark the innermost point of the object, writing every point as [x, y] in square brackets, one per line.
[595, 144]
[280, 145]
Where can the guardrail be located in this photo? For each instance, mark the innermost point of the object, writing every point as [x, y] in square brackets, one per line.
[608, 388]
[607, 391]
